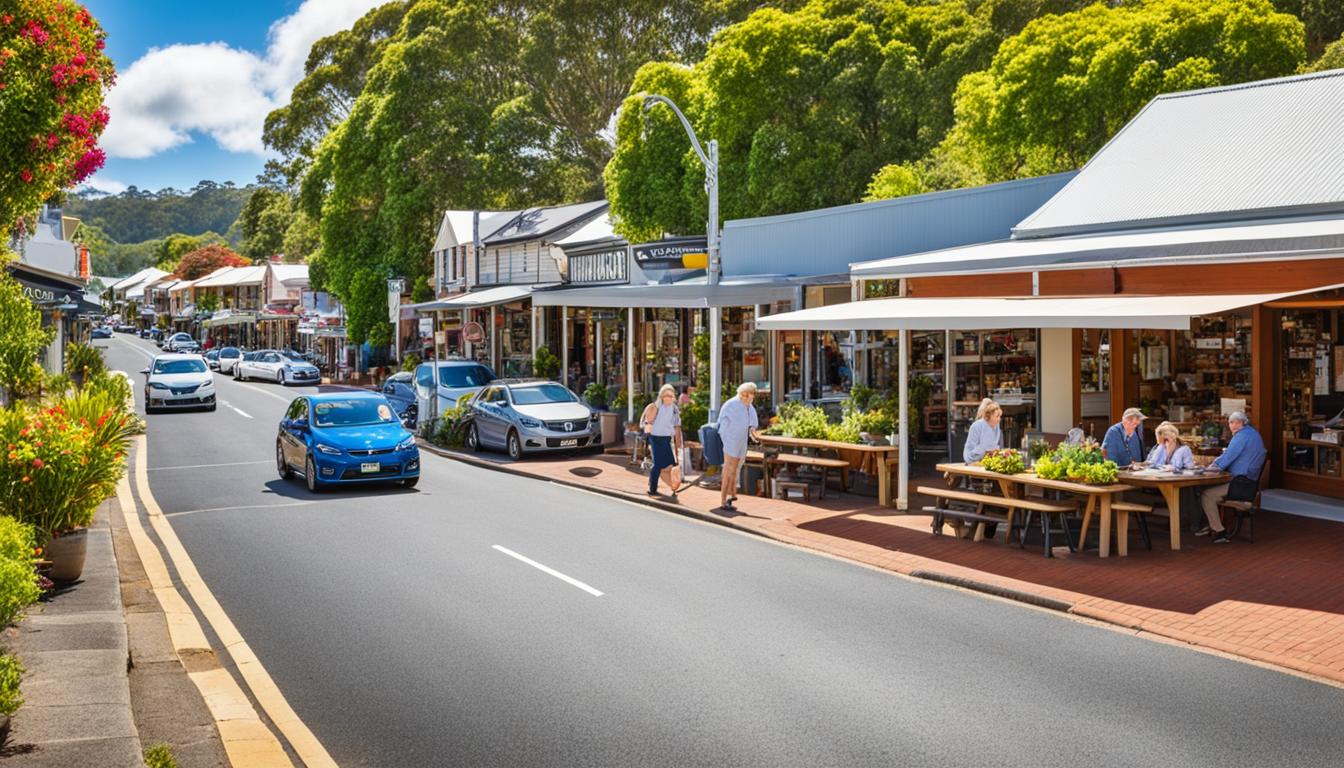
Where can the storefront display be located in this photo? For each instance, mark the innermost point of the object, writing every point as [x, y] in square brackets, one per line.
[1312, 400]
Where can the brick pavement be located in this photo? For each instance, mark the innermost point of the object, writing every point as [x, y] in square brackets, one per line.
[1279, 600]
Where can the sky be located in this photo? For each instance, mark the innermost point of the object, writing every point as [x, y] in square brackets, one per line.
[195, 81]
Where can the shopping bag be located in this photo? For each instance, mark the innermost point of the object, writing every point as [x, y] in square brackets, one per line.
[685, 461]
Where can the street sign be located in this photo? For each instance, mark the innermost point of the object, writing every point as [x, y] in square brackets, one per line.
[426, 326]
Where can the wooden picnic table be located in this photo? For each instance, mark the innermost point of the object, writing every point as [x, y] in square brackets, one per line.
[872, 460]
[1099, 498]
[1170, 485]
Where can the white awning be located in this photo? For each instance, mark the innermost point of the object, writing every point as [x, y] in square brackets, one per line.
[966, 314]
[488, 297]
[690, 294]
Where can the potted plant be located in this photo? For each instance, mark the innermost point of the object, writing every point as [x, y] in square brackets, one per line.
[62, 461]
[597, 395]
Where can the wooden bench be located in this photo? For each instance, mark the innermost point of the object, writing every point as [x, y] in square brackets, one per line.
[816, 462]
[1122, 510]
[1010, 505]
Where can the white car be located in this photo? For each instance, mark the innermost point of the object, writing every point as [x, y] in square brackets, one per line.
[181, 342]
[228, 358]
[178, 381]
[281, 367]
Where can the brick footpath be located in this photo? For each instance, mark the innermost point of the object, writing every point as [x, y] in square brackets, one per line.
[1279, 600]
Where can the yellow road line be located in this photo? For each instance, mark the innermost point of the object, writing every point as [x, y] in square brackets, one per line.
[263, 688]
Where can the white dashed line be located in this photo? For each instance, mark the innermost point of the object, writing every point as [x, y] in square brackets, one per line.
[235, 409]
[567, 579]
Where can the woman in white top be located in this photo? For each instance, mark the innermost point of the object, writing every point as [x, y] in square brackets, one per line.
[737, 424]
[662, 423]
[1169, 451]
[984, 434]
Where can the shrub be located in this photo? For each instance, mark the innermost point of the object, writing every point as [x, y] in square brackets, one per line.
[160, 756]
[11, 676]
[693, 416]
[409, 361]
[804, 421]
[597, 395]
[83, 362]
[451, 429]
[545, 365]
[18, 578]
[22, 337]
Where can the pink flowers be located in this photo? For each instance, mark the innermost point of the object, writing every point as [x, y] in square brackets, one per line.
[89, 163]
[34, 31]
[76, 124]
[38, 464]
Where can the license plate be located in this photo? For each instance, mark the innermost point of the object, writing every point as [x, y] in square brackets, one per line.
[569, 443]
[370, 466]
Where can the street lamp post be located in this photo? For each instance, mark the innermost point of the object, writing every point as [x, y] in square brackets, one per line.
[395, 287]
[709, 157]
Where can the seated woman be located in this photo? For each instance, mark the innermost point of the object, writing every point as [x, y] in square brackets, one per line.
[1169, 451]
[984, 434]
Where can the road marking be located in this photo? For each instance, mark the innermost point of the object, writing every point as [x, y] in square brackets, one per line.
[237, 410]
[232, 509]
[136, 347]
[285, 400]
[208, 466]
[263, 687]
[567, 579]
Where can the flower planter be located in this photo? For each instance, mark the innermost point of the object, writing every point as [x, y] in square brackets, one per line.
[66, 555]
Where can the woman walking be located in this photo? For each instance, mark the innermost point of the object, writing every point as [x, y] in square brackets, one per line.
[662, 423]
[737, 424]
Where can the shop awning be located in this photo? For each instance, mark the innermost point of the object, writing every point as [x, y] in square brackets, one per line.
[488, 297]
[966, 314]
[687, 294]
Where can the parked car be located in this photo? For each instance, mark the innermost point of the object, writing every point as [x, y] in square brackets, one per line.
[156, 334]
[178, 381]
[345, 437]
[181, 342]
[212, 359]
[457, 377]
[526, 415]
[101, 332]
[281, 367]
[399, 389]
[125, 328]
[228, 359]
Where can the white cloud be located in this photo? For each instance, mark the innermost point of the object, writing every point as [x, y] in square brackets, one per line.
[170, 95]
[103, 185]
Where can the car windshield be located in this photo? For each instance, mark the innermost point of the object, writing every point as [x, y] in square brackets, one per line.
[464, 376]
[544, 393]
[179, 366]
[293, 357]
[352, 413]
[181, 337]
[228, 352]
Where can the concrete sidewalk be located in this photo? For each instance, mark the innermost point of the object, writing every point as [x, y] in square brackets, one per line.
[1278, 601]
[77, 709]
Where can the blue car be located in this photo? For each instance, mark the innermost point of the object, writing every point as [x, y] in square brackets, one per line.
[345, 437]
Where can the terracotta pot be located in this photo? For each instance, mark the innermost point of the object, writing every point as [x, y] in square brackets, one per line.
[66, 553]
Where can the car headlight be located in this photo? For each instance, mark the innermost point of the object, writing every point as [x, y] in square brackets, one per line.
[157, 385]
[208, 383]
[407, 444]
[327, 449]
[526, 422]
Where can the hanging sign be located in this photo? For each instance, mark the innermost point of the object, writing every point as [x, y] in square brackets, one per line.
[671, 253]
[473, 332]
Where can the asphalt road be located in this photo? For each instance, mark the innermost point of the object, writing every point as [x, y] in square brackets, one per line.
[404, 636]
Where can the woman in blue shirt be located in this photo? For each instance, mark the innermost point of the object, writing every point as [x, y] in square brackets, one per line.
[984, 434]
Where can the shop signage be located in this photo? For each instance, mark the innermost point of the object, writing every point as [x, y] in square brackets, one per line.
[426, 326]
[602, 267]
[473, 332]
[669, 253]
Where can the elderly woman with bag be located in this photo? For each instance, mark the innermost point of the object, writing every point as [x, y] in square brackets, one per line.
[661, 421]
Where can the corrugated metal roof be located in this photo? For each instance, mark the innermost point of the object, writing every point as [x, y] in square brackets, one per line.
[1244, 151]
[535, 223]
[230, 276]
[600, 230]
[828, 240]
[455, 228]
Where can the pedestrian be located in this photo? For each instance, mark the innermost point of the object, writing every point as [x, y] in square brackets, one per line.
[661, 421]
[737, 424]
[985, 434]
[1244, 459]
[1123, 442]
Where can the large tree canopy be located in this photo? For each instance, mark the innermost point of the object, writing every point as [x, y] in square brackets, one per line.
[1058, 91]
[806, 106]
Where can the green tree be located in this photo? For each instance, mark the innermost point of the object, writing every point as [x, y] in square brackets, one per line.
[895, 181]
[137, 215]
[806, 106]
[22, 338]
[207, 302]
[263, 222]
[302, 238]
[171, 249]
[1323, 21]
[54, 75]
[1058, 91]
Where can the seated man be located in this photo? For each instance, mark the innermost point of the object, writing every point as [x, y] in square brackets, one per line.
[1243, 458]
[1123, 442]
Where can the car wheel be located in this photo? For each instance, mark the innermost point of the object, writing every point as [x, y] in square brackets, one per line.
[280, 377]
[473, 439]
[310, 475]
[410, 482]
[280, 464]
[515, 446]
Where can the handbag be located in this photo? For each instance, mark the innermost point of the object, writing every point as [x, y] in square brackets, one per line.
[1242, 488]
[685, 461]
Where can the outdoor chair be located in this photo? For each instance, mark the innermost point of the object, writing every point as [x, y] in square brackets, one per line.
[1244, 510]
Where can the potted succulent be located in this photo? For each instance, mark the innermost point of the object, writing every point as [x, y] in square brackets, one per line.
[63, 460]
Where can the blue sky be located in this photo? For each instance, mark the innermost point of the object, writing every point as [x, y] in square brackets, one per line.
[196, 79]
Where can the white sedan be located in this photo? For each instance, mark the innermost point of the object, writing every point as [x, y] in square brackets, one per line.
[178, 381]
[280, 367]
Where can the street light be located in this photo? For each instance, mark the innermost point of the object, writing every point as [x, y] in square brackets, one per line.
[395, 287]
[709, 157]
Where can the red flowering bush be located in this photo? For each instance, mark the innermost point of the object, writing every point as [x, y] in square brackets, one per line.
[62, 460]
[53, 75]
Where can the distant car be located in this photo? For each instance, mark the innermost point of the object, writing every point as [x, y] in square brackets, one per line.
[281, 367]
[228, 359]
[178, 381]
[526, 415]
[181, 342]
[157, 334]
[101, 332]
[212, 359]
[456, 378]
[345, 437]
[125, 328]
[399, 389]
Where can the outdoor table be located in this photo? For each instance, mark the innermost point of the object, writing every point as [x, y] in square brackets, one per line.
[869, 459]
[1170, 485]
[1098, 497]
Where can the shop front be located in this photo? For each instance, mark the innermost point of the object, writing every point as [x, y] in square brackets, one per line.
[60, 298]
